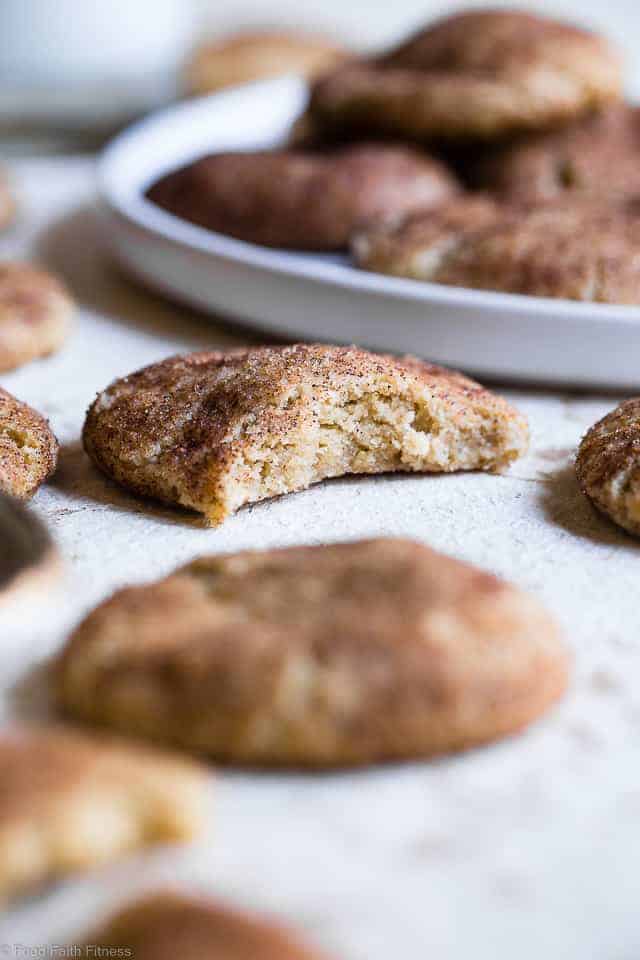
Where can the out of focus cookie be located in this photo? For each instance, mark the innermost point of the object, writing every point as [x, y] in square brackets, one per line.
[27, 555]
[215, 431]
[596, 156]
[317, 656]
[164, 926]
[608, 465]
[258, 55]
[35, 314]
[70, 802]
[28, 448]
[480, 74]
[574, 248]
[7, 202]
[303, 199]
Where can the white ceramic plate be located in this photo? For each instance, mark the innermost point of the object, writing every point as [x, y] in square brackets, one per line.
[317, 297]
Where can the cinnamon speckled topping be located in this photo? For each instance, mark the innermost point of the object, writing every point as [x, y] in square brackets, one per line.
[317, 656]
[608, 465]
[35, 314]
[303, 199]
[165, 926]
[574, 248]
[69, 802]
[28, 448]
[483, 73]
[214, 431]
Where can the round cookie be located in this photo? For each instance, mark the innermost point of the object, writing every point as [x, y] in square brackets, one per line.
[165, 926]
[250, 56]
[69, 802]
[35, 314]
[317, 656]
[303, 199]
[28, 557]
[28, 448]
[215, 431]
[573, 248]
[608, 465]
[596, 156]
[480, 74]
[7, 203]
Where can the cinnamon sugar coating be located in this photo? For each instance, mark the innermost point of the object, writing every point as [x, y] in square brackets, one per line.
[478, 74]
[608, 465]
[573, 248]
[300, 198]
[317, 656]
[214, 431]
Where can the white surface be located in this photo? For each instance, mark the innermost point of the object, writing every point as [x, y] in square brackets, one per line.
[525, 850]
[319, 296]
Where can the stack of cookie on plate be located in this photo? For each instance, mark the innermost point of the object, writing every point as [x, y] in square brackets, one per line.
[491, 150]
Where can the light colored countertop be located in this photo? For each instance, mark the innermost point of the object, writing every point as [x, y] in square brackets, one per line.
[528, 849]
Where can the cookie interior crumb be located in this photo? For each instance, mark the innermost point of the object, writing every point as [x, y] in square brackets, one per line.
[216, 431]
[28, 448]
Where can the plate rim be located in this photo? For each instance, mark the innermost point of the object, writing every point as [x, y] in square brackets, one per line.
[143, 214]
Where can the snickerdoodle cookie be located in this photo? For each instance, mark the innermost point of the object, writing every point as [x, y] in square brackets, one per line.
[480, 74]
[257, 55]
[69, 802]
[27, 555]
[317, 656]
[35, 314]
[7, 202]
[608, 465]
[28, 448]
[214, 431]
[572, 248]
[598, 156]
[166, 925]
[303, 199]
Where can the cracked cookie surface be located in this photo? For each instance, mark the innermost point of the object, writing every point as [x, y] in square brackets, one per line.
[215, 431]
[317, 656]
[572, 248]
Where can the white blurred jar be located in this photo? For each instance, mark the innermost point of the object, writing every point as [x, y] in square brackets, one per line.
[72, 60]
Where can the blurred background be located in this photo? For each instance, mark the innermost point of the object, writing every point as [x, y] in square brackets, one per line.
[74, 71]
[372, 22]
